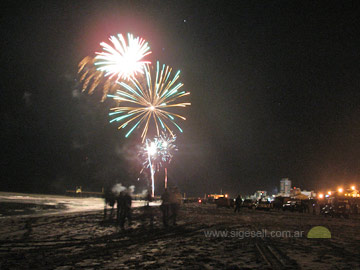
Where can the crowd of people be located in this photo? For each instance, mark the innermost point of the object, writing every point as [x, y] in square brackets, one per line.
[170, 205]
[123, 200]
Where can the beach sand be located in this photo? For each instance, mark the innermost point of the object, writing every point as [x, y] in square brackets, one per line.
[205, 237]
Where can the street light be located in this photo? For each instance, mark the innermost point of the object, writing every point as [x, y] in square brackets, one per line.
[340, 190]
[353, 187]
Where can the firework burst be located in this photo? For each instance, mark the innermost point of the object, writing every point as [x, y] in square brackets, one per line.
[157, 153]
[161, 151]
[149, 102]
[166, 147]
[122, 60]
[93, 79]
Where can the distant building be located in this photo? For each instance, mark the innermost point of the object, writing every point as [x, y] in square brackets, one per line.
[285, 187]
[310, 194]
[258, 195]
[217, 196]
[297, 192]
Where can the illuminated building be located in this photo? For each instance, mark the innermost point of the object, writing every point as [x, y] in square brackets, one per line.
[285, 187]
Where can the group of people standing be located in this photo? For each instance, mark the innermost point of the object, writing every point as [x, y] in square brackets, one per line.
[171, 201]
[123, 210]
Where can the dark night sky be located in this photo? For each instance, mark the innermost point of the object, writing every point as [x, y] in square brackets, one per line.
[274, 90]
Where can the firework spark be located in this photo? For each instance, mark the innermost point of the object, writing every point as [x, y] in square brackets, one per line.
[149, 102]
[122, 60]
[157, 153]
[161, 151]
[166, 146]
[93, 79]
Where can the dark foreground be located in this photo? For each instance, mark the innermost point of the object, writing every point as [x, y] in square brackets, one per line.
[205, 238]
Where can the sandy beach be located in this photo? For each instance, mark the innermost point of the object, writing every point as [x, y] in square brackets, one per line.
[205, 238]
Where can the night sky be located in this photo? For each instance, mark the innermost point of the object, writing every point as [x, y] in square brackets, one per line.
[274, 91]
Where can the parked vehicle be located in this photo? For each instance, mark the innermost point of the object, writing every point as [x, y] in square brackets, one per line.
[342, 208]
[224, 202]
[293, 206]
[263, 205]
[279, 202]
[337, 208]
[327, 210]
[248, 203]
